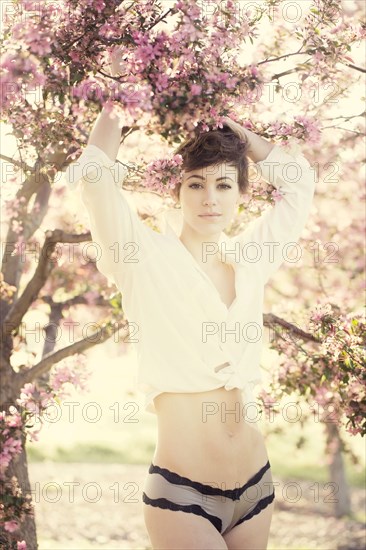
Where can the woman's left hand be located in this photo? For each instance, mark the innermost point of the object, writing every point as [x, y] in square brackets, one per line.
[115, 57]
[236, 128]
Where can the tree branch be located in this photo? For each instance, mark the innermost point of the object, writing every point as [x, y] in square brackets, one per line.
[19, 163]
[269, 320]
[344, 129]
[105, 332]
[361, 69]
[44, 268]
[311, 51]
[346, 118]
[75, 300]
[285, 73]
[283, 56]
[160, 19]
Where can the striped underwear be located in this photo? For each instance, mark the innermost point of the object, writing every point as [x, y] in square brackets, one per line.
[224, 508]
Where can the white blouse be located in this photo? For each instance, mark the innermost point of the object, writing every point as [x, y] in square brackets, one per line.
[182, 329]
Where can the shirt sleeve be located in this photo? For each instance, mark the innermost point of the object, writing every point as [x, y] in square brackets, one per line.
[117, 232]
[266, 241]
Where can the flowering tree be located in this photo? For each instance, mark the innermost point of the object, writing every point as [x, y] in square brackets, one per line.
[181, 67]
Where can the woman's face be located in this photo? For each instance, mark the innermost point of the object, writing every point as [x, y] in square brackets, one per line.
[213, 189]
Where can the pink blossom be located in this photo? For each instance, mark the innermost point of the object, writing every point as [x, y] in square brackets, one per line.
[147, 50]
[277, 195]
[311, 126]
[29, 388]
[5, 459]
[30, 5]
[161, 81]
[319, 311]
[254, 71]
[196, 89]
[11, 526]
[75, 55]
[354, 430]
[162, 174]
[12, 445]
[21, 545]
[178, 159]
[99, 5]
[33, 435]
[71, 370]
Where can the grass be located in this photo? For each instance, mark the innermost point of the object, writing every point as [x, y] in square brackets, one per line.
[94, 452]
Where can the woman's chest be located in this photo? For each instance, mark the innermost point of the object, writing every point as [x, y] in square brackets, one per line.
[223, 277]
[179, 284]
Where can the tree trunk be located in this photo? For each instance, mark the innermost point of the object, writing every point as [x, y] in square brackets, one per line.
[18, 467]
[341, 495]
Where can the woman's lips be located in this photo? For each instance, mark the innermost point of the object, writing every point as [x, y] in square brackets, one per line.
[209, 215]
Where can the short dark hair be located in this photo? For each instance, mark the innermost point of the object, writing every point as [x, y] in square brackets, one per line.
[215, 147]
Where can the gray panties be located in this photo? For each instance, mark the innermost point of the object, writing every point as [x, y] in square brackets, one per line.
[224, 508]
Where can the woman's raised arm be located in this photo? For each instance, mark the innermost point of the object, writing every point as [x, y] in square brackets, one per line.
[123, 241]
[259, 148]
[282, 223]
[106, 132]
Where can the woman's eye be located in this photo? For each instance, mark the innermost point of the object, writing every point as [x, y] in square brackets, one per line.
[225, 185]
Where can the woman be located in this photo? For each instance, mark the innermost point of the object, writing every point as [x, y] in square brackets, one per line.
[197, 301]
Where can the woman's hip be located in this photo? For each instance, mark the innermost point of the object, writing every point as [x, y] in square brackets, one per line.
[224, 508]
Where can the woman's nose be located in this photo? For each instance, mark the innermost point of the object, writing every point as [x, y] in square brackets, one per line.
[210, 197]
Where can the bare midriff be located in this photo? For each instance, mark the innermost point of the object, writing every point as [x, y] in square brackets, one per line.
[207, 437]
